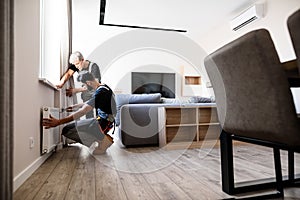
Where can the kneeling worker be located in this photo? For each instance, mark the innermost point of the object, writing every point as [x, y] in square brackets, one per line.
[86, 131]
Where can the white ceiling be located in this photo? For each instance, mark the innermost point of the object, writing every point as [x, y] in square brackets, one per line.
[190, 15]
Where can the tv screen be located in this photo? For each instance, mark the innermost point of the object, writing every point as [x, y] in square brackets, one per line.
[147, 83]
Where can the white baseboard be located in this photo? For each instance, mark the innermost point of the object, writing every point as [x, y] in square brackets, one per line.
[27, 172]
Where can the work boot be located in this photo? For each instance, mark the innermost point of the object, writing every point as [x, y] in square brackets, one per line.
[103, 145]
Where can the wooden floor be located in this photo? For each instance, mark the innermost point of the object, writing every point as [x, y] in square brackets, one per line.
[145, 173]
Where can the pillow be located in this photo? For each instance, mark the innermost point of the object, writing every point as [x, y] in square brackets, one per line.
[122, 99]
[145, 98]
[170, 101]
[199, 99]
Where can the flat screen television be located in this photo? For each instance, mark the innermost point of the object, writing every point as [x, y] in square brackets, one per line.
[147, 83]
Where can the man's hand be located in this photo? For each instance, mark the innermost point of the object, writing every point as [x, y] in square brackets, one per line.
[70, 92]
[59, 86]
[72, 108]
[50, 122]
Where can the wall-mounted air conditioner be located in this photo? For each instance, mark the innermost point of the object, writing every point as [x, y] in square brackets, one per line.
[251, 14]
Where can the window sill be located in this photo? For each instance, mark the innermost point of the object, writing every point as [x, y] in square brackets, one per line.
[46, 82]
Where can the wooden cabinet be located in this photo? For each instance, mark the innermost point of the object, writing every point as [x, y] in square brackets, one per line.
[188, 126]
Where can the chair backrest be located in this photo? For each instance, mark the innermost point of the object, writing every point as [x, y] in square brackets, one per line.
[252, 92]
[293, 23]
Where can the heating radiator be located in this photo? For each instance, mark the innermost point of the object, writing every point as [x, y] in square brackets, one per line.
[50, 138]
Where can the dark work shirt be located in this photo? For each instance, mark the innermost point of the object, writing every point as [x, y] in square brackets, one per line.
[104, 101]
[72, 67]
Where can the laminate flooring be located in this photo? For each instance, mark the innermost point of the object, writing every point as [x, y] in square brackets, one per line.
[146, 173]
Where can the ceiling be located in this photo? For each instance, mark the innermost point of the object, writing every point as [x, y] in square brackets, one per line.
[190, 15]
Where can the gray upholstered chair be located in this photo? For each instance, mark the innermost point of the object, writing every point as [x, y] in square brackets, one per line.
[293, 23]
[254, 105]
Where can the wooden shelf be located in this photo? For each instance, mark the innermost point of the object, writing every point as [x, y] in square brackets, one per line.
[188, 127]
[192, 80]
[191, 85]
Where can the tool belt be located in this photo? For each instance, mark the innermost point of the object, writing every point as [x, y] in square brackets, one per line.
[106, 125]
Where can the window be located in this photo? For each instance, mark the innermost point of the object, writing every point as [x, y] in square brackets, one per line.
[50, 34]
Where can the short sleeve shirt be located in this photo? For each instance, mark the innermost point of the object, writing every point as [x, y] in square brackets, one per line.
[104, 101]
[72, 67]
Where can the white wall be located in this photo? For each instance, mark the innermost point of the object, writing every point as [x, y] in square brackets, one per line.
[29, 94]
[276, 13]
[119, 51]
[109, 46]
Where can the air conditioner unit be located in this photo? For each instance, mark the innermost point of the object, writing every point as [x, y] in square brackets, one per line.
[251, 14]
